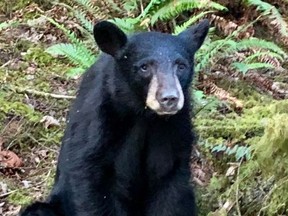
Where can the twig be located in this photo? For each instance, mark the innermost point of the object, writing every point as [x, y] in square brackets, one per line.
[8, 193]
[5, 64]
[237, 188]
[43, 94]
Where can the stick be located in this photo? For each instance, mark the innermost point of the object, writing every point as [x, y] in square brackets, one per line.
[43, 94]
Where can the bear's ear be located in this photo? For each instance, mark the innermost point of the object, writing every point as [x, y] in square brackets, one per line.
[109, 37]
[196, 34]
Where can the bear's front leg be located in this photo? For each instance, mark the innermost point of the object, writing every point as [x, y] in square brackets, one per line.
[174, 197]
[92, 200]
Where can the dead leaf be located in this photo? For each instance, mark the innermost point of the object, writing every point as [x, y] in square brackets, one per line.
[4, 187]
[221, 94]
[231, 170]
[10, 159]
[49, 121]
[26, 184]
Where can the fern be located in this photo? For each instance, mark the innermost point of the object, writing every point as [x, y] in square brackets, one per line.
[260, 43]
[88, 25]
[73, 53]
[171, 9]
[81, 16]
[75, 71]
[128, 25]
[245, 67]
[260, 54]
[152, 4]
[89, 6]
[130, 6]
[209, 51]
[240, 152]
[77, 51]
[226, 46]
[184, 26]
[271, 12]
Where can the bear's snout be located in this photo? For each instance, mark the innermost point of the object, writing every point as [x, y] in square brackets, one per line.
[168, 99]
[165, 94]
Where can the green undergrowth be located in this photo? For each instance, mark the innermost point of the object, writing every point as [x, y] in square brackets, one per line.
[20, 119]
[261, 184]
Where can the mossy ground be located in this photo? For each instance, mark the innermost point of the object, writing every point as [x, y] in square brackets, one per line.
[259, 187]
[261, 182]
[24, 65]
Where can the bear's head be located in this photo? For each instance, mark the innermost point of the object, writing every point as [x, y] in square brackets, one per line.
[157, 67]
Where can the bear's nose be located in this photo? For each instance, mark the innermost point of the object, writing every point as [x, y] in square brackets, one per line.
[168, 100]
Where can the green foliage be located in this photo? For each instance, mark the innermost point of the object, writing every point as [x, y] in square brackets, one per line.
[215, 50]
[77, 51]
[128, 25]
[88, 6]
[262, 180]
[215, 129]
[189, 22]
[271, 12]
[265, 48]
[272, 149]
[261, 44]
[38, 56]
[8, 24]
[271, 156]
[170, 9]
[245, 67]
[260, 54]
[20, 197]
[130, 6]
[74, 53]
[19, 109]
[240, 152]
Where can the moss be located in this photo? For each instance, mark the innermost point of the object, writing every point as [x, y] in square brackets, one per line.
[262, 182]
[39, 56]
[238, 128]
[20, 197]
[208, 197]
[272, 149]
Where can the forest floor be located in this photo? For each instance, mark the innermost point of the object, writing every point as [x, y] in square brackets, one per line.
[35, 97]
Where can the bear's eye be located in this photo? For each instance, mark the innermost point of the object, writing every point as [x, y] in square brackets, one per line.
[144, 67]
[181, 66]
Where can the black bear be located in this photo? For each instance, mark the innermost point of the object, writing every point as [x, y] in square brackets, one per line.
[129, 136]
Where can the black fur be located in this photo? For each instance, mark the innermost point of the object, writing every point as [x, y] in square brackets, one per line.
[119, 158]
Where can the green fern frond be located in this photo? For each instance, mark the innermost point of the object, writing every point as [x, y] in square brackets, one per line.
[81, 16]
[73, 53]
[271, 12]
[192, 20]
[72, 37]
[258, 54]
[244, 68]
[130, 6]
[152, 4]
[174, 8]
[208, 51]
[75, 71]
[259, 43]
[88, 25]
[126, 24]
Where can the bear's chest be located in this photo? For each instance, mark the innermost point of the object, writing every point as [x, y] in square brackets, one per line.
[146, 154]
